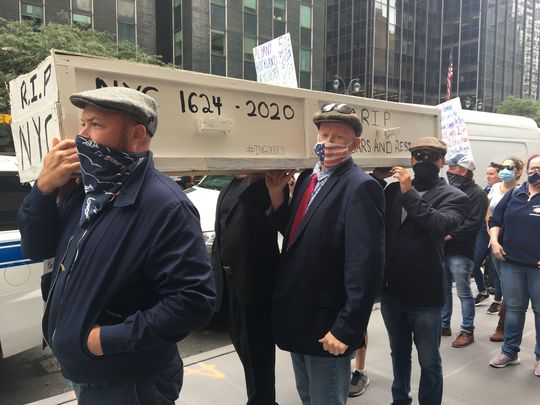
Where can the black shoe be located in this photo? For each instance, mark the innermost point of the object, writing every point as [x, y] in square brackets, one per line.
[359, 383]
[446, 331]
[494, 308]
[481, 297]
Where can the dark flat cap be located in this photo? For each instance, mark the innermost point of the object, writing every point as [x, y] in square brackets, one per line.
[121, 99]
[430, 143]
[337, 112]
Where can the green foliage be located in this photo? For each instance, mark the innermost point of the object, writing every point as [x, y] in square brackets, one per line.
[24, 45]
[525, 107]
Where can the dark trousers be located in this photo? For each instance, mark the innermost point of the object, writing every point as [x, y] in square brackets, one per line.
[251, 334]
[162, 388]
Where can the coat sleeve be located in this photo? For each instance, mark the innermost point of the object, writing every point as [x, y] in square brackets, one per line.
[439, 221]
[364, 261]
[179, 267]
[39, 224]
[475, 217]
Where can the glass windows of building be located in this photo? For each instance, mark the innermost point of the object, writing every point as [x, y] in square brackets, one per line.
[218, 38]
[249, 66]
[280, 17]
[126, 20]
[305, 44]
[305, 68]
[81, 13]
[32, 12]
[178, 34]
[250, 5]
[305, 15]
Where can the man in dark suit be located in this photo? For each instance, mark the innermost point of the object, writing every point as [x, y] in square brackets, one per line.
[332, 259]
[419, 214]
[245, 258]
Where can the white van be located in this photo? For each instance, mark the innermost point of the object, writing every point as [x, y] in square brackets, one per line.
[21, 305]
[494, 137]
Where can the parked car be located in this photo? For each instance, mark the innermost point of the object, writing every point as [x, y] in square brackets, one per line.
[21, 305]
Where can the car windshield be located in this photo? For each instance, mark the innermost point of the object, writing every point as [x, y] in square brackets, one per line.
[215, 182]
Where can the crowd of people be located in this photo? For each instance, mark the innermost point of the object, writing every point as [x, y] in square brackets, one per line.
[131, 275]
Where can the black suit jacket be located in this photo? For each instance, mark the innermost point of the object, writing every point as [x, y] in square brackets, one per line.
[414, 248]
[330, 274]
[252, 239]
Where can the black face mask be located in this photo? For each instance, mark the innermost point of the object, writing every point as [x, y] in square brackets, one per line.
[456, 180]
[533, 178]
[426, 175]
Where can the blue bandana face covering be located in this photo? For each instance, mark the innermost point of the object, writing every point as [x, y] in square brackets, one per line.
[104, 171]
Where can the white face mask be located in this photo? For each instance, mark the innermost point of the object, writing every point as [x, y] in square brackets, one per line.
[331, 154]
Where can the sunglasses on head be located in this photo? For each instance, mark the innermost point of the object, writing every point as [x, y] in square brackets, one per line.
[342, 108]
[420, 155]
[508, 167]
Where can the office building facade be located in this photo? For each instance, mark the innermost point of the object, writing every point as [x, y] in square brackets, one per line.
[400, 50]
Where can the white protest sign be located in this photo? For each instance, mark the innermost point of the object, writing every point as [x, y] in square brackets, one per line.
[454, 131]
[274, 62]
[35, 112]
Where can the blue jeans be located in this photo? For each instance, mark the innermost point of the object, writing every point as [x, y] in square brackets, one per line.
[520, 284]
[460, 268]
[496, 273]
[322, 380]
[481, 250]
[423, 326]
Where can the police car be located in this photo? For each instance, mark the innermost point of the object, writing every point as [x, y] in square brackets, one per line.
[21, 305]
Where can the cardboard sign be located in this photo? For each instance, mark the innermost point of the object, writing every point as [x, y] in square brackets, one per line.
[206, 124]
[274, 62]
[454, 131]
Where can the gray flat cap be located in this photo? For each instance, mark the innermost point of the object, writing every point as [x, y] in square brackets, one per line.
[430, 143]
[144, 108]
[337, 112]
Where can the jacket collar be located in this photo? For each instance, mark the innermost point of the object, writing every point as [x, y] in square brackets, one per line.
[130, 191]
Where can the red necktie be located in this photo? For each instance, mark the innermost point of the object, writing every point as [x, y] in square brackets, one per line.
[302, 207]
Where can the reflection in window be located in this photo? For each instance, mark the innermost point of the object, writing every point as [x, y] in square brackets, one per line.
[32, 12]
[305, 16]
[82, 5]
[178, 48]
[126, 11]
[249, 44]
[126, 32]
[250, 5]
[218, 42]
[279, 10]
[82, 20]
[305, 68]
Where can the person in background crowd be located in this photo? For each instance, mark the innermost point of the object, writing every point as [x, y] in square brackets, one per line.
[481, 249]
[514, 229]
[332, 259]
[459, 249]
[420, 212]
[510, 173]
[245, 256]
[359, 378]
[131, 274]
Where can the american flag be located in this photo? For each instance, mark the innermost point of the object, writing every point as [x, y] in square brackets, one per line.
[449, 77]
[332, 154]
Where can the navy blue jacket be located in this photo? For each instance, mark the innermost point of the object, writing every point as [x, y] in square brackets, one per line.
[519, 219]
[140, 270]
[331, 272]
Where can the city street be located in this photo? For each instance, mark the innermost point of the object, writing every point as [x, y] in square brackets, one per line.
[213, 373]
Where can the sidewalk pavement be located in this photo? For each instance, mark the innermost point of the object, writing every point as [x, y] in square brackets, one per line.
[216, 377]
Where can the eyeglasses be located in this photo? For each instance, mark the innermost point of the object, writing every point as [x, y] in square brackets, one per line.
[535, 169]
[421, 155]
[340, 107]
[508, 167]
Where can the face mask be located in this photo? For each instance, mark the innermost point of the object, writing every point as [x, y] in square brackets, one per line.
[104, 171]
[331, 154]
[533, 178]
[426, 175]
[507, 175]
[455, 179]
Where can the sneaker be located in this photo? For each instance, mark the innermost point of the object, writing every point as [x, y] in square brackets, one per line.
[463, 339]
[481, 297]
[537, 368]
[494, 308]
[446, 331]
[359, 383]
[503, 360]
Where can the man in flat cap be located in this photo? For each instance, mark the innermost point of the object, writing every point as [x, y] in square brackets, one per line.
[131, 274]
[459, 248]
[332, 259]
[420, 212]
